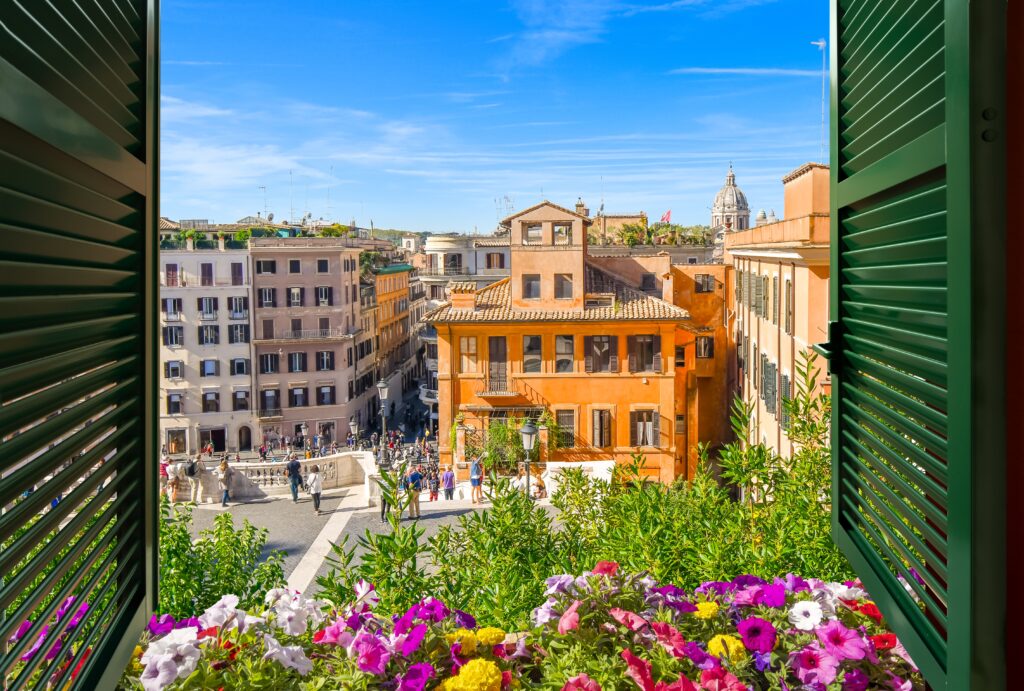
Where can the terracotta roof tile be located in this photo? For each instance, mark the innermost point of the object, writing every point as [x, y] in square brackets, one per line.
[494, 304]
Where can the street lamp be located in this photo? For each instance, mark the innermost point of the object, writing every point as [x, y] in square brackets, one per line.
[529, 434]
[382, 391]
[304, 430]
[353, 426]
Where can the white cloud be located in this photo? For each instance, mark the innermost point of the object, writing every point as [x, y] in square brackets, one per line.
[176, 109]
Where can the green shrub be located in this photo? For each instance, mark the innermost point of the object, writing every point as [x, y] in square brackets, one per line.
[195, 574]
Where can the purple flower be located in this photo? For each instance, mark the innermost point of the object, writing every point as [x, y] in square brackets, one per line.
[758, 634]
[160, 626]
[813, 665]
[747, 597]
[64, 607]
[546, 612]
[463, 620]
[559, 585]
[699, 657]
[431, 610]
[841, 642]
[404, 623]
[78, 616]
[160, 672]
[415, 679]
[747, 580]
[413, 640]
[30, 653]
[796, 584]
[22, 630]
[762, 661]
[856, 680]
[720, 587]
[190, 621]
[916, 575]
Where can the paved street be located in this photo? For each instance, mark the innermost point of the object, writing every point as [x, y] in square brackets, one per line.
[305, 538]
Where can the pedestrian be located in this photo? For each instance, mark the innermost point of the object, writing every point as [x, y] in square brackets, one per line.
[539, 490]
[414, 486]
[194, 473]
[224, 481]
[383, 499]
[476, 478]
[448, 482]
[263, 452]
[316, 486]
[165, 462]
[294, 469]
[434, 482]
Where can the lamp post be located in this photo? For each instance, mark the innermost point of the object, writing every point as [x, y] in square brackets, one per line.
[304, 430]
[382, 390]
[353, 426]
[529, 434]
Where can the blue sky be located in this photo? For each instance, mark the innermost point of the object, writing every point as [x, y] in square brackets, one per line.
[420, 115]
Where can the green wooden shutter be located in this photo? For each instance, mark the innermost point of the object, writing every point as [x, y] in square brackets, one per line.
[78, 209]
[916, 353]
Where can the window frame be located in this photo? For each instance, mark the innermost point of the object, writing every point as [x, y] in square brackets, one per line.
[560, 340]
[530, 279]
[565, 279]
[536, 360]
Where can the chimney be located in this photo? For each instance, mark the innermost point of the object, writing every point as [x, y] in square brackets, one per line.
[463, 295]
[581, 208]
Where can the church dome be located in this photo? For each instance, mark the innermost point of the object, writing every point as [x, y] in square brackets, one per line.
[730, 198]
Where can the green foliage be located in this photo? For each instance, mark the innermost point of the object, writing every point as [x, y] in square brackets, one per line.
[371, 261]
[633, 234]
[336, 230]
[243, 235]
[503, 446]
[194, 575]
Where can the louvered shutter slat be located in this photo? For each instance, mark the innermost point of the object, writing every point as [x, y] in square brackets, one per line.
[613, 360]
[657, 353]
[632, 428]
[77, 170]
[588, 350]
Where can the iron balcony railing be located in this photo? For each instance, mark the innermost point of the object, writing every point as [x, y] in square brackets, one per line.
[244, 314]
[311, 334]
[208, 316]
[268, 412]
[184, 279]
[497, 385]
[452, 271]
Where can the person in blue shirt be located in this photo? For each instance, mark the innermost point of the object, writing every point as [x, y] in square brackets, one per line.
[294, 469]
[414, 487]
[476, 479]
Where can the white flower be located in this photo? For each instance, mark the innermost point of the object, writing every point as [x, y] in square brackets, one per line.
[176, 651]
[365, 594]
[159, 673]
[826, 600]
[225, 614]
[845, 592]
[805, 615]
[292, 612]
[290, 656]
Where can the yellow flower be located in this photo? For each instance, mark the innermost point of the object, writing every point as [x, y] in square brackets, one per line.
[467, 638]
[475, 675]
[490, 636]
[720, 645]
[138, 651]
[706, 610]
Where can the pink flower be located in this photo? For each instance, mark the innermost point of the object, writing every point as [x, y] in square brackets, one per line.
[415, 679]
[570, 619]
[413, 640]
[632, 621]
[581, 682]
[371, 654]
[758, 634]
[638, 670]
[606, 568]
[669, 638]
[718, 679]
[680, 684]
[330, 635]
[841, 642]
[814, 665]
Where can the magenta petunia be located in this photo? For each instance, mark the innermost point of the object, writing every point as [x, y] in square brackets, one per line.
[718, 679]
[841, 642]
[606, 568]
[813, 665]
[413, 640]
[856, 680]
[371, 654]
[639, 670]
[670, 639]
[581, 682]
[570, 619]
[631, 620]
[158, 626]
[416, 677]
[758, 634]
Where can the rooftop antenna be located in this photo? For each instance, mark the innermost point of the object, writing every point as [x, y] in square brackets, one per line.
[291, 198]
[264, 188]
[821, 43]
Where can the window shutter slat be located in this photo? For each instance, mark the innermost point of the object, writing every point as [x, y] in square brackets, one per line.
[613, 347]
[632, 428]
[656, 429]
[657, 353]
[79, 148]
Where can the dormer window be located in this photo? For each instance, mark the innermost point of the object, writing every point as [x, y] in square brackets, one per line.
[532, 234]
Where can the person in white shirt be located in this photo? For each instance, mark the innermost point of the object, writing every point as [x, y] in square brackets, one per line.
[316, 487]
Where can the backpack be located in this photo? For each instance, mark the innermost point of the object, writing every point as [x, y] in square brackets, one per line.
[191, 469]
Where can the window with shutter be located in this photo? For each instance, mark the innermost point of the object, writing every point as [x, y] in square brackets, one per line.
[775, 299]
[918, 372]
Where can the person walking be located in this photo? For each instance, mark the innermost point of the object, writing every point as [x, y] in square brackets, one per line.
[316, 486]
[194, 472]
[476, 478]
[434, 483]
[165, 463]
[415, 486]
[448, 482]
[294, 470]
[384, 506]
[224, 481]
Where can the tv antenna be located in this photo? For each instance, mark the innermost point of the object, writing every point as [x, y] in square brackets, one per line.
[821, 43]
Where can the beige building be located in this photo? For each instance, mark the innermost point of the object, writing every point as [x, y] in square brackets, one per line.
[306, 323]
[781, 303]
[206, 354]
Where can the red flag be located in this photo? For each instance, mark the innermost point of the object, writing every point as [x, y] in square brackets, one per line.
[667, 217]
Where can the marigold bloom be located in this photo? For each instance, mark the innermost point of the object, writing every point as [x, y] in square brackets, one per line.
[490, 636]
[475, 675]
[724, 645]
[706, 610]
[465, 638]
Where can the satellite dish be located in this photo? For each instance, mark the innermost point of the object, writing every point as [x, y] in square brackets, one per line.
[270, 216]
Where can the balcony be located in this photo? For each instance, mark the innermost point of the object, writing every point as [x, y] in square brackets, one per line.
[172, 316]
[309, 335]
[191, 280]
[460, 272]
[244, 314]
[208, 316]
[428, 395]
[496, 386]
[268, 413]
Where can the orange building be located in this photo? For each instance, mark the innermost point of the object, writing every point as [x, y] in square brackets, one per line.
[781, 299]
[626, 354]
